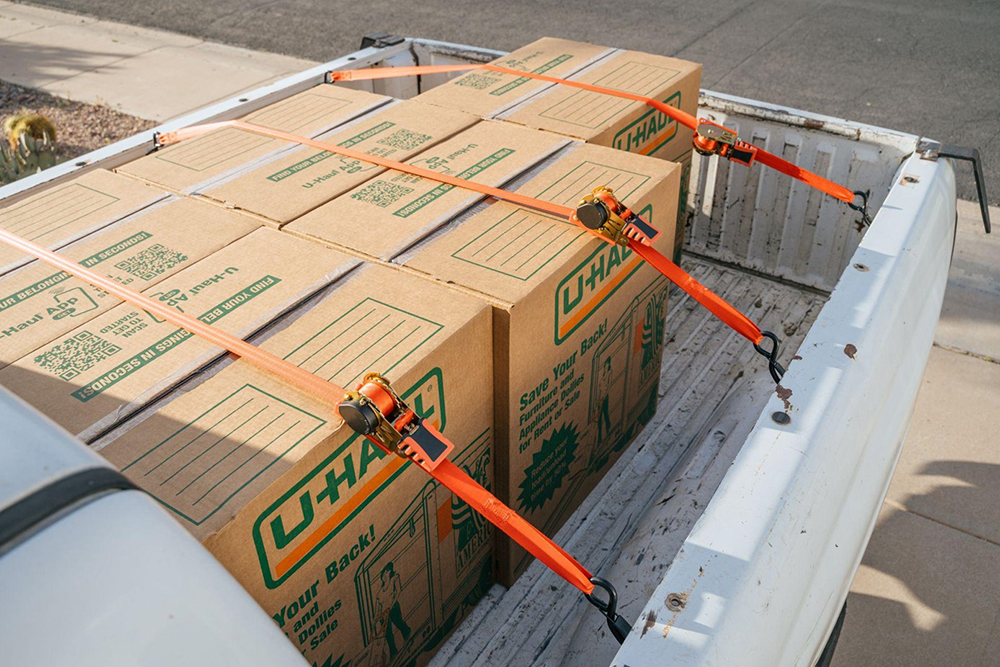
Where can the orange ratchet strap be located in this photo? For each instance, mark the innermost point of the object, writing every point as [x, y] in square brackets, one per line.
[393, 427]
[633, 232]
[709, 138]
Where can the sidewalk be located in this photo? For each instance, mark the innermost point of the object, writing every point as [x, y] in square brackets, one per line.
[146, 73]
[927, 591]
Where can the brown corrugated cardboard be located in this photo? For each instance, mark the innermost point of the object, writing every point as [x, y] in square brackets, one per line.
[615, 122]
[195, 163]
[390, 212]
[578, 328]
[39, 303]
[486, 94]
[111, 366]
[595, 117]
[63, 213]
[623, 124]
[294, 183]
[360, 558]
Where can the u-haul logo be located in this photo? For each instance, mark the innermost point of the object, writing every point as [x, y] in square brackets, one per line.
[649, 132]
[592, 283]
[322, 503]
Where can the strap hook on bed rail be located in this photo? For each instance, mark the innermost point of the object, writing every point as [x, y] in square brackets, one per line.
[862, 207]
[776, 369]
[376, 411]
[617, 624]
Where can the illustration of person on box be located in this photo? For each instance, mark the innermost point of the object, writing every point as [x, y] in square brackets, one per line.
[605, 382]
[389, 613]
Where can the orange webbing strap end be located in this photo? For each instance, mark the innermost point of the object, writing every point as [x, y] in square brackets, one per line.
[514, 525]
[809, 178]
[301, 378]
[536, 543]
[715, 304]
[706, 297]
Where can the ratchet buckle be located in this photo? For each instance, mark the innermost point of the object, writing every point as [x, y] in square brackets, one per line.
[604, 215]
[714, 139]
[376, 411]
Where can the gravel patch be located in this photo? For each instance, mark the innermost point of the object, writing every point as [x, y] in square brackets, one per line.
[80, 127]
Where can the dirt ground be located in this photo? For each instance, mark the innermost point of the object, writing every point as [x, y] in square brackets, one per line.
[80, 127]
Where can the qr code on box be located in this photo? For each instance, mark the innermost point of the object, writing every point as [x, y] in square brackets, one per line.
[381, 193]
[404, 140]
[477, 81]
[76, 355]
[151, 262]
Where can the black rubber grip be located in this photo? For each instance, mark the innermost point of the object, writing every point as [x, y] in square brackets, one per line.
[58, 495]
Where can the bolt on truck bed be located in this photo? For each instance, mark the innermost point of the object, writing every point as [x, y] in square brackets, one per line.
[736, 521]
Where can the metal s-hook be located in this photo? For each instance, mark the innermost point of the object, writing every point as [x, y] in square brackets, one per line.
[776, 369]
[618, 625]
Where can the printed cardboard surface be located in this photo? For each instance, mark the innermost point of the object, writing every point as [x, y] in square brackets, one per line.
[294, 183]
[392, 211]
[578, 329]
[109, 367]
[195, 163]
[486, 93]
[359, 557]
[39, 303]
[611, 121]
[63, 213]
[623, 124]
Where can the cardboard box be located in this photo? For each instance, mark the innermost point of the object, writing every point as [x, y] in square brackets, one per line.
[63, 213]
[623, 124]
[361, 558]
[390, 212]
[39, 303]
[594, 117]
[195, 163]
[486, 94]
[290, 184]
[578, 329]
[104, 370]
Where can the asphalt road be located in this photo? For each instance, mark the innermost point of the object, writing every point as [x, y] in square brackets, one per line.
[930, 67]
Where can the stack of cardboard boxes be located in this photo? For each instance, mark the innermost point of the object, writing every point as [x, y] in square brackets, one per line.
[533, 346]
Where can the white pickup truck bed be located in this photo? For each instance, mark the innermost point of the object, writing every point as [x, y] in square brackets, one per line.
[732, 538]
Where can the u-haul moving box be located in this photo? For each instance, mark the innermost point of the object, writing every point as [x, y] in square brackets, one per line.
[388, 213]
[486, 94]
[279, 189]
[102, 371]
[360, 557]
[63, 213]
[195, 163]
[591, 116]
[578, 329]
[39, 303]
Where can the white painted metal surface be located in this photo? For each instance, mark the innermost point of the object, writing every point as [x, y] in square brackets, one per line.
[767, 567]
[115, 580]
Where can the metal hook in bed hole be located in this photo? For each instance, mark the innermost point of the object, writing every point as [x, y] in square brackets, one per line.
[777, 371]
[862, 207]
[617, 624]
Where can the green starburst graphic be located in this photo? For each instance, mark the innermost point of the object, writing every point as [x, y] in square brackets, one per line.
[549, 468]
